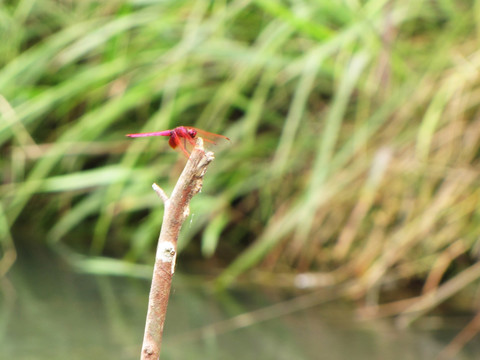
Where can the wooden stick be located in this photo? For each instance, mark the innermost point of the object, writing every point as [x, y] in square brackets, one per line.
[176, 211]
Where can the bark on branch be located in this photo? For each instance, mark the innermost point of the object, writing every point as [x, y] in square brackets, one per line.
[176, 211]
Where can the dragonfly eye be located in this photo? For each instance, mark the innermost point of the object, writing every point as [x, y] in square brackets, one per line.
[193, 133]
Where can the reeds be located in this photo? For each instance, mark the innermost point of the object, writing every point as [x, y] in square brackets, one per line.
[354, 127]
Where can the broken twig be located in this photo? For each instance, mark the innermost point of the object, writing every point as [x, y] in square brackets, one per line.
[176, 211]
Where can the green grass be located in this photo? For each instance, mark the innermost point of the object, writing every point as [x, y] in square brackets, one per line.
[354, 128]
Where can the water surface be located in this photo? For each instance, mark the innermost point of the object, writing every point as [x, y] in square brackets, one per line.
[50, 312]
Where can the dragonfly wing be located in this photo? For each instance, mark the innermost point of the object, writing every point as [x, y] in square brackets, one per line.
[208, 136]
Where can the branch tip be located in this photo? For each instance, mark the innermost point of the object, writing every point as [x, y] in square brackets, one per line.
[161, 194]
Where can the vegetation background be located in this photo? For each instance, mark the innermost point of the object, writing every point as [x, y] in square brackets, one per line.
[354, 126]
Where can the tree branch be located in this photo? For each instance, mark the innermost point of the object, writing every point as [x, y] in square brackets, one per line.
[176, 211]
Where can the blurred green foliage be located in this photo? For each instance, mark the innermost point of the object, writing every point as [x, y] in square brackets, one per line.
[354, 126]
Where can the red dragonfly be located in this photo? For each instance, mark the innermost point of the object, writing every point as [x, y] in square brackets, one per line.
[183, 137]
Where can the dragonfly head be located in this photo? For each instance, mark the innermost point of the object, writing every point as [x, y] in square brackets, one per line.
[192, 132]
